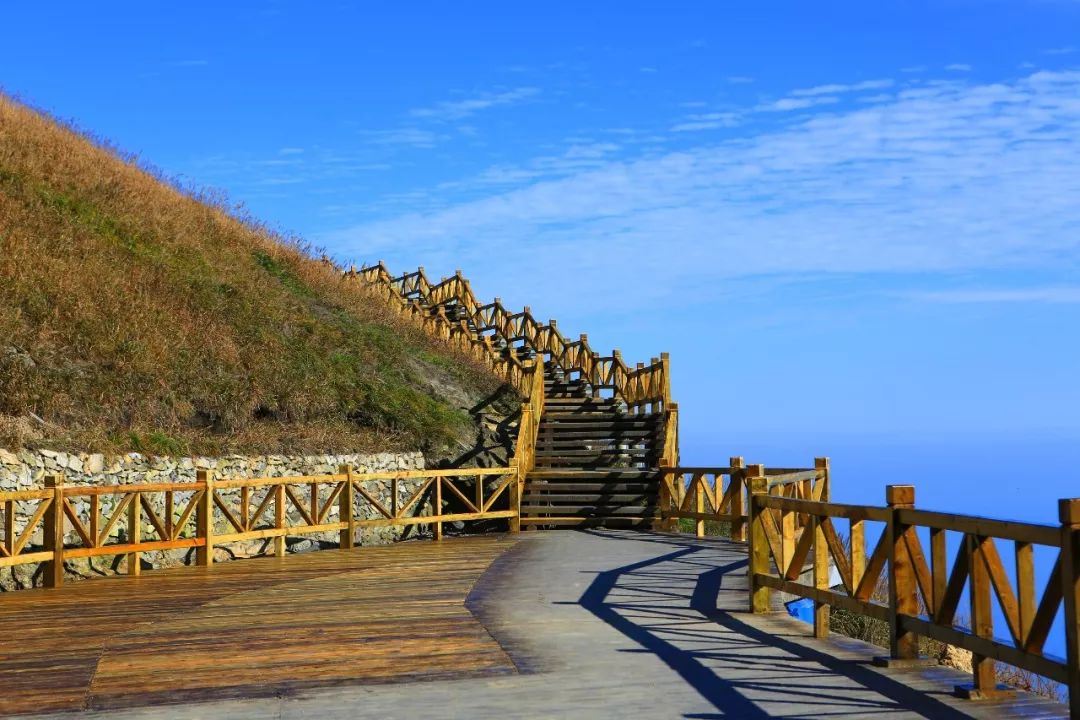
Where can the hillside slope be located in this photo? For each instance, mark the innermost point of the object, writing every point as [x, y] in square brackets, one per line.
[136, 317]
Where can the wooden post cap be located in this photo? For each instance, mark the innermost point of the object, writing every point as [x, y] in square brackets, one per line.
[755, 470]
[457, 273]
[584, 337]
[420, 269]
[1069, 511]
[552, 323]
[665, 356]
[900, 494]
[641, 366]
[527, 310]
[736, 461]
[498, 300]
[821, 462]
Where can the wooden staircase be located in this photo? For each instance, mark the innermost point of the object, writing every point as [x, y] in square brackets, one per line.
[592, 441]
[595, 463]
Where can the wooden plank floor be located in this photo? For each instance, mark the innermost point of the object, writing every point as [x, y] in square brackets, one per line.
[589, 624]
[250, 628]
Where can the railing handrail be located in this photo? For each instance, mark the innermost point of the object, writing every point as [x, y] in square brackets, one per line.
[645, 385]
[191, 520]
[924, 596]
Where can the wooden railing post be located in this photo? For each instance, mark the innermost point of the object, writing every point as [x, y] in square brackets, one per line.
[821, 576]
[438, 508]
[204, 519]
[279, 520]
[134, 528]
[903, 590]
[1069, 513]
[666, 480]
[759, 543]
[516, 486]
[738, 499]
[345, 510]
[821, 464]
[699, 483]
[53, 532]
[983, 667]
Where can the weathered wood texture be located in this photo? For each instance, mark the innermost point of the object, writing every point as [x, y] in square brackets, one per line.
[216, 511]
[720, 494]
[250, 628]
[922, 597]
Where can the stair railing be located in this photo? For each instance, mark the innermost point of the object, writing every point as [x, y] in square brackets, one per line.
[645, 388]
[524, 459]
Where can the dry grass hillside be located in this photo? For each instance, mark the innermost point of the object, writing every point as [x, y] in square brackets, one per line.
[134, 316]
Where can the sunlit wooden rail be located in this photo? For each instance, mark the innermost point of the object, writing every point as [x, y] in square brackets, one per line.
[508, 341]
[721, 494]
[924, 590]
[216, 511]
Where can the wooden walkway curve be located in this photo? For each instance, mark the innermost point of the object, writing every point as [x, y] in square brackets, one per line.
[547, 624]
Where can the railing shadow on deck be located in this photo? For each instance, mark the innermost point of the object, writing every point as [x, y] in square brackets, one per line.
[653, 626]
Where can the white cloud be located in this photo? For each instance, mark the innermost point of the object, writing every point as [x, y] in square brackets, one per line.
[706, 121]
[836, 89]
[413, 137]
[1055, 295]
[958, 67]
[1068, 50]
[944, 177]
[460, 109]
[792, 103]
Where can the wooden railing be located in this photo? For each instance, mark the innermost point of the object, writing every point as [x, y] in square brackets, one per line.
[528, 430]
[721, 494]
[923, 595]
[505, 340]
[214, 511]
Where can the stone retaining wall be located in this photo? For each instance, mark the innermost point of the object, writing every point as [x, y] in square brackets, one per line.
[26, 470]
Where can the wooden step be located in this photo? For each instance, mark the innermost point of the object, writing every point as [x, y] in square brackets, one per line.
[588, 510]
[597, 475]
[576, 434]
[577, 487]
[582, 522]
[531, 499]
[592, 422]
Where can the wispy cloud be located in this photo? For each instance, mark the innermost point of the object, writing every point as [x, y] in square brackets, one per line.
[1067, 50]
[460, 109]
[706, 121]
[796, 103]
[410, 136]
[188, 63]
[837, 89]
[958, 67]
[739, 80]
[943, 177]
[1053, 295]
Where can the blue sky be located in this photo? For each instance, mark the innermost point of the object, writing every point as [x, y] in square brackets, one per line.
[853, 218]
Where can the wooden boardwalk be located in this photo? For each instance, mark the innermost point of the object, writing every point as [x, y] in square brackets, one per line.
[556, 624]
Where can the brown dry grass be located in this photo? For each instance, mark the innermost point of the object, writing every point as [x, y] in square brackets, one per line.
[137, 316]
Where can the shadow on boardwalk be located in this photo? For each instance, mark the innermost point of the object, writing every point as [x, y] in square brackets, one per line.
[670, 606]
